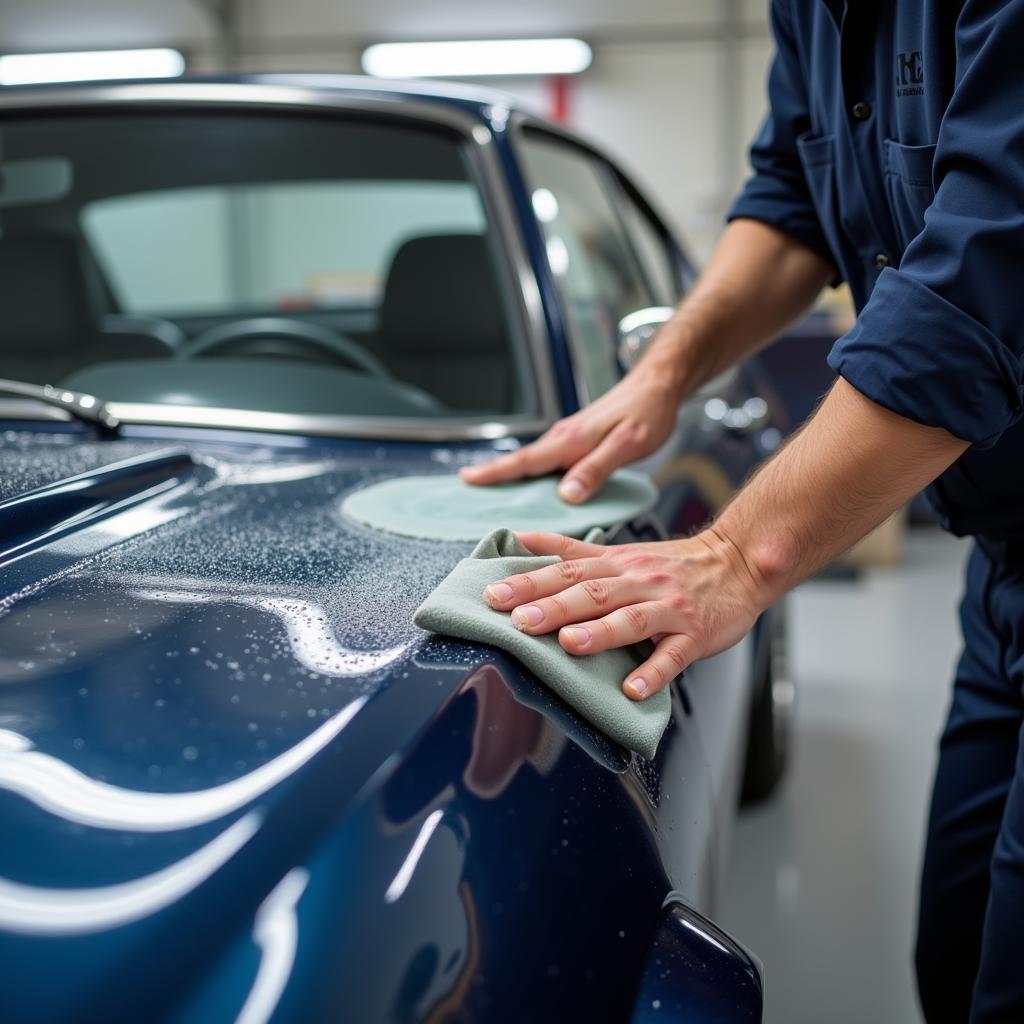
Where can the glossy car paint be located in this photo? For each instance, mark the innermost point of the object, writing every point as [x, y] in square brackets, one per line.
[235, 781]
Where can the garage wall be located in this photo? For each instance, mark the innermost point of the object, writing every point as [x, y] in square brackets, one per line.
[675, 87]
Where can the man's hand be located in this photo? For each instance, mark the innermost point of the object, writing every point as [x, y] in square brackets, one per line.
[850, 466]
[630, 421]
[759, 279]
[693, 598]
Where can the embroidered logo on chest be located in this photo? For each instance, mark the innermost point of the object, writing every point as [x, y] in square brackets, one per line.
[909, 73]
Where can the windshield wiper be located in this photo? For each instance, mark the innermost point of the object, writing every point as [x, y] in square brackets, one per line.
[87, 408]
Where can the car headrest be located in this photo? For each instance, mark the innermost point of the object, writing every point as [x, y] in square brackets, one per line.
[43, 295]
[441, 296]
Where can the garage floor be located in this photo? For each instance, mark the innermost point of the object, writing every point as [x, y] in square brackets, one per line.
[824, 876]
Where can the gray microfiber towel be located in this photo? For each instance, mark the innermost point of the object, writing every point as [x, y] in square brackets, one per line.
[443, 507]
[592, 684]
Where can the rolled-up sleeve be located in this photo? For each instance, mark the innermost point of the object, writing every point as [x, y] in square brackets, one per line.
[941, 340]
[777, 192]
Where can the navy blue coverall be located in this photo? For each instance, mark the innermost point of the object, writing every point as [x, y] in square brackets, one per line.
[894, 147]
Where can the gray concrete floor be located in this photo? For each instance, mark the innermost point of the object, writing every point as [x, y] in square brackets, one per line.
[824, 875]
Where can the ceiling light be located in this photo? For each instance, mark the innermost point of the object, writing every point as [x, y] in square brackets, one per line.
[33, 68]
[472, 59]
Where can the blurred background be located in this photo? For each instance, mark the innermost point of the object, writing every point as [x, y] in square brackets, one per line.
[824, 874]
[675, 88]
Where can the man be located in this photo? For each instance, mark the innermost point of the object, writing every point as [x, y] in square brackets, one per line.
[892, 158]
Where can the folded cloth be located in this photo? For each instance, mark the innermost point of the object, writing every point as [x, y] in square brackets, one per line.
[444, 507]
[592, 683]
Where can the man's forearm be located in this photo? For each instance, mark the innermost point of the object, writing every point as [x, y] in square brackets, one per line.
[758, 281]
[852, 465]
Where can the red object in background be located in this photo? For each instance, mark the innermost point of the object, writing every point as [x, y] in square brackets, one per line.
[559, 88]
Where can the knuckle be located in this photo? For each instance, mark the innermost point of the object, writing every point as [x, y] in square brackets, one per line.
[568, 436]
[570, 571]
[522, 586]
[634, 434]
[556, 607]
[637, 618]
[561, 430]
[597, 591]
[565, 545]
[659, 577]
[574, 433]
[606, 630]
[676, 656]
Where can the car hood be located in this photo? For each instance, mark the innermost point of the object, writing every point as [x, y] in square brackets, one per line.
[184, 632]
[172, 617]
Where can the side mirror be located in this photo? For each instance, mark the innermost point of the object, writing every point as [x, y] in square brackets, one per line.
[637, 329]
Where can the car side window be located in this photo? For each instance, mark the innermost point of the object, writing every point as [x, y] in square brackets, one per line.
[653, 250]
[590, 253]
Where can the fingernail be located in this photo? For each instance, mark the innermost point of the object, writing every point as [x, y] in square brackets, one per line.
[579, 635]
[498, 593]
[528, 615]
[572, 490]
[638, 686]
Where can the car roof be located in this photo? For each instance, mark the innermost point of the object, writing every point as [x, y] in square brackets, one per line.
[486, 103]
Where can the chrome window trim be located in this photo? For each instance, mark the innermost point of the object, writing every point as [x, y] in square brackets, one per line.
[480, 147]
[382, 427]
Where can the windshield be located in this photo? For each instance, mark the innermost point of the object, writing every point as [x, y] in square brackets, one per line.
[288, 263]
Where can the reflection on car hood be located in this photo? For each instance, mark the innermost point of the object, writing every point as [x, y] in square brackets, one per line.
[181, 632]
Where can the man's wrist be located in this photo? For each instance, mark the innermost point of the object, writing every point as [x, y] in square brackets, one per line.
[765, 561]
[669, 364]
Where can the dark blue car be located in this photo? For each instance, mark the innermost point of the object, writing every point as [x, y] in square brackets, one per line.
[236, 782]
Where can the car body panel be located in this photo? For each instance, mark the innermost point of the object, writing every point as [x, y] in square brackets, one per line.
[185, 645]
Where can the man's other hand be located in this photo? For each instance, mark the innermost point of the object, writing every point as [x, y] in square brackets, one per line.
[630, 421]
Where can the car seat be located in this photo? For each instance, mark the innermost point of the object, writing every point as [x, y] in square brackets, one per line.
[51, 316]
[443, 325]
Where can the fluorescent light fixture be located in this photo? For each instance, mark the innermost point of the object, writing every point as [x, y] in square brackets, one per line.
[477, 58]
[33, 68]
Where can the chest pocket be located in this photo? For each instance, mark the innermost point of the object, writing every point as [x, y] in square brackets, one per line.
[908, 187]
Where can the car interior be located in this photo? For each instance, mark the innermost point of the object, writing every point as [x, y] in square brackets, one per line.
[279, 296]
